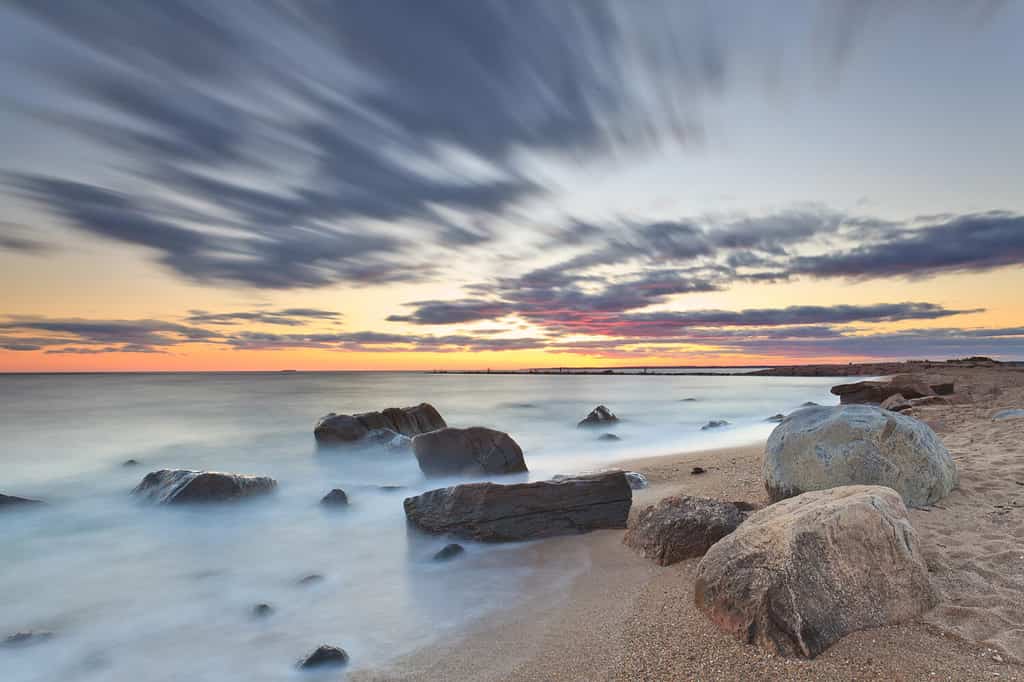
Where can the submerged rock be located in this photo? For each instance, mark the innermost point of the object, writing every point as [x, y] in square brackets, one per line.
[449, 551]
[609, 436]
[682, 527]
[524, 511]
[310, 579]
[776, 418]
[130, 463]
[714, 424]
[262, 610]
[599, 415]
[801, 574]
[15, 501]
[26, 637]
[335, 498]
[825, 447]
[474, 450]
[389, 439]
[175, 486]
[404, 421]
[810, 403]
[324, 655]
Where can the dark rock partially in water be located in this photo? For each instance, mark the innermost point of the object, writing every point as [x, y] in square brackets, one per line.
[406, 421]
[810, 403]
[449, 552]
[14, 501]
[310, 579]
[324, 655]
[467, 451]
[178, 486]
[130, 463]
[714, 424]
[262, 610]
[776, 418]
[636, 480]
[27, 637]
[609, 436]
[524, 511]
[335, 498]
[688, 400]
[599, 415]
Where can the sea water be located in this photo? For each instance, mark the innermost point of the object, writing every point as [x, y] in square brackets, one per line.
[135, 592]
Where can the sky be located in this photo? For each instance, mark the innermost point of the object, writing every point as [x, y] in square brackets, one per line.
[380, 184]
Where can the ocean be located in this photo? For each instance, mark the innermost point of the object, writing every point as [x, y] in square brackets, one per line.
[137, 592]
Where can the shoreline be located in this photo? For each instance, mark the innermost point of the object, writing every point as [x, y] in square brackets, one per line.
[625, 618]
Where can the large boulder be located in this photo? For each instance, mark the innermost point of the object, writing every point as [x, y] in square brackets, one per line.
[524, 511]
[875, 392]
[824, 447]
[682, 527]
[14, 501]
[598, 416]
[405, 421]
[474, 450]
[177, 486]
[801, 574]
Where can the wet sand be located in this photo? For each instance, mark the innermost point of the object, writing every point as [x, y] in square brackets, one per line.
[625, 618]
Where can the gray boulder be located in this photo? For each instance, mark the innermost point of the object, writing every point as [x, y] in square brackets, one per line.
[524, 511]
[390, 440]
[177, 486]
[324, 656]
[405, 421]
[475, 450]
[799, 575]
[682, 527]
[824, 447]
[598, 416]
[336, 498]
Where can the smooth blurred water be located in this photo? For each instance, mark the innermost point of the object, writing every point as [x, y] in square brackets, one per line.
[136, 592]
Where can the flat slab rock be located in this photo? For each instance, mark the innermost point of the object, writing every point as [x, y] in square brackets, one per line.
[875, 392]
[405, 421]
[800, 574]
[492, 512]
[475, 450]
[682, 527]
[824, 447]
[179, 486]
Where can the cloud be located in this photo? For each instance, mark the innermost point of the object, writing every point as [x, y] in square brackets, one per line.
[290, 317]
[12, 239]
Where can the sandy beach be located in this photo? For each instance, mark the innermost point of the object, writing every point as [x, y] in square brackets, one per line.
[625, 618]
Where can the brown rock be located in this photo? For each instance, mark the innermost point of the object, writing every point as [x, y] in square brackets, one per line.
[875, 392]
[802, 573]
[524, 511]
[406, 421]
[896, 403]
[929, 400]
[474, 450]
[681, 527]
[176, 486]
[598, 416]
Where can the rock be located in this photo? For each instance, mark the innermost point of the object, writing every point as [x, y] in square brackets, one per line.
[688, 400]
[801, 574]
[928, 400]
[609, 436]
[896, 403]
[405, 421]
[335, 498]
[389, 439]
[449, 551]
[524, 511]
[14, 501]
[339, 428]
[943, 387]
[681, 527]
[874, 392]
[324, 655]
[474, 450]
[310, 579]
[810, 403]
[999, 416]
[130, 463]
[714, 424]
[825, 447]
[262, 610]
[776, 418]
[598, 415]
[636, 480]
[390, 488]
[175, 486]
[697, 471]
[27, 637]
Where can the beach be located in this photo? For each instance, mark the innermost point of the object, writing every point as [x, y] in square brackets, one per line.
[626, 618]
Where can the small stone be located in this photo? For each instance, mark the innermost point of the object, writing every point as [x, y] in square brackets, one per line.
[714, 424]
[697, 471]
[609, 436]
[335, 498]
[262, 610]
[130, 463]
[27, 637]
[324, 655]
[449, 552]
[310, 579]
[636, 480]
